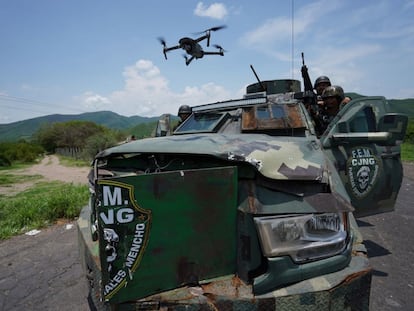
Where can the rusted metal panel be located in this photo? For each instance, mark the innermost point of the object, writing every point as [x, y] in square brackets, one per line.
[272, 117]
[348, 289]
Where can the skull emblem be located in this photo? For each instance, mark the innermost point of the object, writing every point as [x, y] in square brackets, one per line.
[110, 249]
[363, 177]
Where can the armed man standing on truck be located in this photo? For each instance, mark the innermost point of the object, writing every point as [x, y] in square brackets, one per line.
[321, 83]
[333, 100]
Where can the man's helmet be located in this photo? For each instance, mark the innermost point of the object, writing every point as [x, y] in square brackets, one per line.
[184, 109]
[322, 79]
[334, 91]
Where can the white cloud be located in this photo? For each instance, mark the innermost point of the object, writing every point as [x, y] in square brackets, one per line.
[215, 10]
[146, 93]
[92, 101]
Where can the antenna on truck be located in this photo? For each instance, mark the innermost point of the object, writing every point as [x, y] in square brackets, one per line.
[258, 80]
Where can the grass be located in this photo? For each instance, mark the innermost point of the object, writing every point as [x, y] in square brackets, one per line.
[40, 206]
[407, 152]
[15, 166]
[7, 179]
[71, 162]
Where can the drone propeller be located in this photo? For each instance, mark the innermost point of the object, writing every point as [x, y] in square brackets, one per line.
[211, 29]
[219, 47]
[217, 28]
[164, 44]
[221, 50]
[162, 41]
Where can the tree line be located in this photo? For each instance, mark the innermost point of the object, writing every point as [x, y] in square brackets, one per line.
[86, 137]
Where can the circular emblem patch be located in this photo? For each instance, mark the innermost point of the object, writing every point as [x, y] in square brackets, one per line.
[363, 168]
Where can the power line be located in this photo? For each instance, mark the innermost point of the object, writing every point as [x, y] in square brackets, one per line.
[45, 111]
[8, 98]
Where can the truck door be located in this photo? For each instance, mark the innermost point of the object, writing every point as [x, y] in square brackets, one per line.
[163, 127]
[363, 143]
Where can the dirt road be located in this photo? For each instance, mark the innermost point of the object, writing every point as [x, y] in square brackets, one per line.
[48, 169]
[43, 271]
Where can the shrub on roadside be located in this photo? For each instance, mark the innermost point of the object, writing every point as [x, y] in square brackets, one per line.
[4, 161]
[40, 206]
[21, 151]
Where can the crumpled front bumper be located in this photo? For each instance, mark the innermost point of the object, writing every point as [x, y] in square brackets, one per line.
[348, 289]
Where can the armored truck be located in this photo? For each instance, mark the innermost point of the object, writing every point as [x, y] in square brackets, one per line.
[242, 207]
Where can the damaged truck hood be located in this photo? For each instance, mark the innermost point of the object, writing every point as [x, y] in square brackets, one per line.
[293, 158]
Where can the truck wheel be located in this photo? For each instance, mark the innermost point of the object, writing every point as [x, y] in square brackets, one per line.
[94, 296]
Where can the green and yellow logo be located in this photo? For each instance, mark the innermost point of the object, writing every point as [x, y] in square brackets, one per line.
[124, 229]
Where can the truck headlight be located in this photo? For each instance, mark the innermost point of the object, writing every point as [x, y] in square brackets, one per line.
[303, 237]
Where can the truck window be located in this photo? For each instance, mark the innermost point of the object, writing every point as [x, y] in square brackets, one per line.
[202, 122]
[364, 121]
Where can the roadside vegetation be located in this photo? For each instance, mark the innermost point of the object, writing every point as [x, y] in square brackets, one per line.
[407, 148]
[39, 206]
[43, 203]
[79, 139]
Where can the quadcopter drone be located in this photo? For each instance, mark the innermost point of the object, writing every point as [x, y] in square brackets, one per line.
[192, 46]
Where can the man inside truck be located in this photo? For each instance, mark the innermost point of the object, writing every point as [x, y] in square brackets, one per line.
[183, 112]
[333, 100]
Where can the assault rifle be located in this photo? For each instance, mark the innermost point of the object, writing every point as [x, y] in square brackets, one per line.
[309, 97]
[305, 75]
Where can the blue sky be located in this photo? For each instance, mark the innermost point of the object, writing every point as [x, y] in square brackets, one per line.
[75, 56]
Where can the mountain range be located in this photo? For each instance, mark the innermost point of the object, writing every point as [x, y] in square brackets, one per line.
[26, 128]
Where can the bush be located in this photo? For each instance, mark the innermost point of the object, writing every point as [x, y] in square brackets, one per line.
[4, 161]
[21, 151]
[409, 134]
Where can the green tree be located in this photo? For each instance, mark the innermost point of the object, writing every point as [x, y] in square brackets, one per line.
[72, 134]
[98, 142]
[47, 136]
[20, 151]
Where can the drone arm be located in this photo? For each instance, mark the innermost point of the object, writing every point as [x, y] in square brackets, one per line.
[165, 49]
[206, 36]
[219, 52]
[188, 60]
[214, 53]
[172, 48]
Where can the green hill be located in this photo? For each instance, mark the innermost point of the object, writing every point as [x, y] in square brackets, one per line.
[403, 106]
[26, 128]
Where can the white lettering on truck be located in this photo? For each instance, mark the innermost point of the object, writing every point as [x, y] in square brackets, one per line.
[136, 245]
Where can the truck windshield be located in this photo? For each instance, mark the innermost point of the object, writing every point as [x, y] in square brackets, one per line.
[201, 122]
